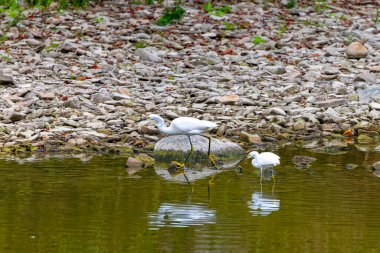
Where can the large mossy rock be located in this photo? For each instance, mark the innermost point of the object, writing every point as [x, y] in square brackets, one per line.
[177, 147]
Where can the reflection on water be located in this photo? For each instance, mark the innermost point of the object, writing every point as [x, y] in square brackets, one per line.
[263, 204]
[191, 174]
[175, 215]
[93, 204]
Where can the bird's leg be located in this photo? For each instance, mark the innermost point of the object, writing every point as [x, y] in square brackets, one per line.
[188, 181]
[261, 174]
[191, 150]
[179, 165]
[210, 157]
[274, 179]
[212, 179]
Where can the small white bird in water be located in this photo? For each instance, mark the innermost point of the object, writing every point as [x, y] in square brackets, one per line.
[265, 160]
[186, 126]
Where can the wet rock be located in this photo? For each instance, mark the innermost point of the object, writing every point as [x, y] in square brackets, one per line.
[250, 138]
[176, 148]
[142, 160]
[356, 51]
[350, 166]
[303, 161]
[363, 138]
[133, 162]
[334, 146]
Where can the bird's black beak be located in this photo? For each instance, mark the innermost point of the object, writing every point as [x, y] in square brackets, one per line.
[142, 119]
[242, 159]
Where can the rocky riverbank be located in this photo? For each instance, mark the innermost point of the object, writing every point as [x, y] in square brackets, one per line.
[85, 79]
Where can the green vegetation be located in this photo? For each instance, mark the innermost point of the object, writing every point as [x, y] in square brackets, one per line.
[229, 26]
[258, 40]
[99, 20]
[376, 19]
[217, 11]
[313, 23]
[3, 38]
[6, 58]
[14, 8]
[320, 6]
[52, 46]
[282, 29]
[291, 4]
[141, 44]
[171, 15]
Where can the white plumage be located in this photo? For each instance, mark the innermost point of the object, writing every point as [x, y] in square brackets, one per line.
[186, 126]
[183, 125]
[265, 160]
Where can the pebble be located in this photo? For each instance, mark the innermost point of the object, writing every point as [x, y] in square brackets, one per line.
[356, 51]
[6, 80]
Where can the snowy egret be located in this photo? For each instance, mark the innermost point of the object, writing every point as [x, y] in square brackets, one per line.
[265, 160]
[186, 126]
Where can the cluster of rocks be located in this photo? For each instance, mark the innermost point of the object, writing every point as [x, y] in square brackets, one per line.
[88, 78]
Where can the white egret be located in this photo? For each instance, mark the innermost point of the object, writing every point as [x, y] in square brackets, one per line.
[265, 160]
[186, 126]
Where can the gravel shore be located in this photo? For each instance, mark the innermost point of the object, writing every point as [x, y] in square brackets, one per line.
[86, 79]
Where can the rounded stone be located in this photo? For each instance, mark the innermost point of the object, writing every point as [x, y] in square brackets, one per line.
[177, 147]
[356, 51]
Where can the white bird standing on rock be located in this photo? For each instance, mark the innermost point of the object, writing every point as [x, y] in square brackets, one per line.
[186, 126]
[265, 160]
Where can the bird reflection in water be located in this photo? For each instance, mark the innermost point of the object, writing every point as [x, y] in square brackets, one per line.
[177, 215]
[263, 204]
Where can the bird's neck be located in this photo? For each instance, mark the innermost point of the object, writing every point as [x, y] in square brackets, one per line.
[162, 127]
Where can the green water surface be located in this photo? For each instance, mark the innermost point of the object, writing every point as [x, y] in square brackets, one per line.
[93, 204]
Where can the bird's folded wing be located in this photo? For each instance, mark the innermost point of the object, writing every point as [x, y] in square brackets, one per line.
[187, 124]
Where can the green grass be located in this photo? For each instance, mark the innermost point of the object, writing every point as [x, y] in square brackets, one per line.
[141, 44]
[99, 20]
[229, 26]
[6, 58]
[3, 38]
[171, 15]
[281, 31]
[52, 46]
[291, 4]
[217, 11]
[376, 19]
[320, 6]
[258, 40]
[13, 9]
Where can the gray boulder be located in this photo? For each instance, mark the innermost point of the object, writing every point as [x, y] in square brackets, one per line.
[176, 148]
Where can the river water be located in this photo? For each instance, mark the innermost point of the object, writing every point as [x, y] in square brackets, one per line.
[93, 204]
